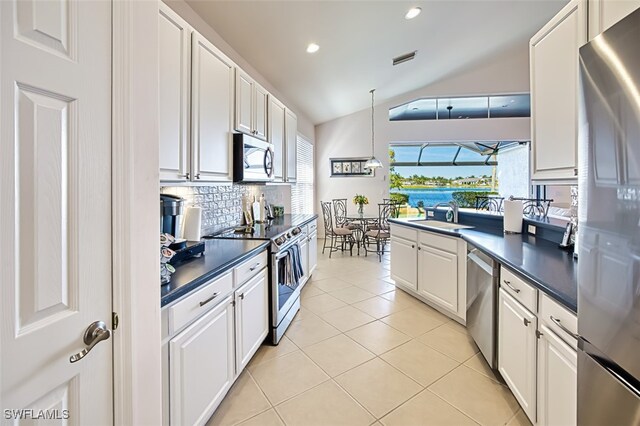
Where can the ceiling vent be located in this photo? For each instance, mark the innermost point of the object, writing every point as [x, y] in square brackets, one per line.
[404, 58]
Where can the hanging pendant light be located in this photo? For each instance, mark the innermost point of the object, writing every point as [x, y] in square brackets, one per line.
[373, 162]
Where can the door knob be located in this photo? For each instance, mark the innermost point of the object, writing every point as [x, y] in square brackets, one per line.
[95, 333]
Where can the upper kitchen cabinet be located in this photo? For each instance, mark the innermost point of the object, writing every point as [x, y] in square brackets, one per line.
[604, 13]
[276, 136]
[175, 38]
[291, 142]
[554, 94]
[251, 106]
[212, 99]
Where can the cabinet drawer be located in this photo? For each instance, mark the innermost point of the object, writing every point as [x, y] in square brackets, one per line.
[250, 268]
[404, 232]
[439, 241]
[559, 319]
[519, 289]
[312, 226]
[199, 302]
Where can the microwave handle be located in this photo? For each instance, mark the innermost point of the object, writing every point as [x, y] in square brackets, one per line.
[268, 162]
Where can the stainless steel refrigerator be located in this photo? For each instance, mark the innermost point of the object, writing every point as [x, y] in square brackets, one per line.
[609, 228]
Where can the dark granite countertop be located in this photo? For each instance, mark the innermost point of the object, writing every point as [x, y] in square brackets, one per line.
[219, 256]
[539, 261]
[268, 230]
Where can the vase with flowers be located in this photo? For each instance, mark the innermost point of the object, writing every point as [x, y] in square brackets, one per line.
[360, 201]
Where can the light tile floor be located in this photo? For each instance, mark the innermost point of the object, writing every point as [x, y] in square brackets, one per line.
[361, 352]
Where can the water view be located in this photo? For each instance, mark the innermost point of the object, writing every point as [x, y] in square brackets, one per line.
[433, 196]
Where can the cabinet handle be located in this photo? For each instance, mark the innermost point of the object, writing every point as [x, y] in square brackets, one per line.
[242, 296]
[526, 322]
[575, 172]
[186, 175]
[204, 302]
[563, 328]
[419, 248]
[254, 267]
[413, 246]
[539, 334]
[508, 283]
[198, 176]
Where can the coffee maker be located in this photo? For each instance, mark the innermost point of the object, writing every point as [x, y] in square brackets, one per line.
[171, 210]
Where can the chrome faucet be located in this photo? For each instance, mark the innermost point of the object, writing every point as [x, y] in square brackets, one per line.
[453, 206]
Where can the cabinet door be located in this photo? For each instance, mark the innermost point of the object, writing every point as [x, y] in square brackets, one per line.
[517, 351]
[304, 254]
[201, 366]
[404, 263]
[605, 13]
[291, 142]
[276, 137]
[212, 112]
[244, 101]
[175, 38]
[261, 103]
[252, 318]
[438, 276]
[313, 252]
[557, 380]
[554, 93]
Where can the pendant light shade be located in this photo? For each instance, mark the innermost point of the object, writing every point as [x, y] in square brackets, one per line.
[373, 162]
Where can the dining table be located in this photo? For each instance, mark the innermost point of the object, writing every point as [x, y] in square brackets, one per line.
[364, 220]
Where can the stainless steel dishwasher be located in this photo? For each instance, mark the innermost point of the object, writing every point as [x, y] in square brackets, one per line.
[482, 291]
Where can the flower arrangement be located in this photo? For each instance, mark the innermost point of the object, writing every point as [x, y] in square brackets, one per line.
[360, 200]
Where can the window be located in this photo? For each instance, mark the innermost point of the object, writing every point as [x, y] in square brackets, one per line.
[302, 190]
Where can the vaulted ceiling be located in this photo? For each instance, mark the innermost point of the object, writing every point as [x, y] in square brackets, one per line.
[359, 38]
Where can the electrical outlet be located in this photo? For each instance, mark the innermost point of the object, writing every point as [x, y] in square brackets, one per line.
[430, 213]
[531, 229]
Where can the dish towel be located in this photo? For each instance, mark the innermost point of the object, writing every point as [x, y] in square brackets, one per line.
[290, 269]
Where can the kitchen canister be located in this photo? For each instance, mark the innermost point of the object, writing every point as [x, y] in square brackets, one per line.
[192, 229]
[512, 216]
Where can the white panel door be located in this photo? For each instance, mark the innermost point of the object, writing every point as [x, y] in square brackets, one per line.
[202, 366]
[605, 13]
[313, 252]
[276, 137]
[404, 263]
[55, 161]
[517, 351]
[304, 254]
[175, 40]
[261, 105]
[438, 276]
[557, 380]
[291, 143]
[211, 111]
[244, 102]
[252, 318]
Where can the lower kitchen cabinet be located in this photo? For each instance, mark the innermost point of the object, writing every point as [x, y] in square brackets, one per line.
[438, 276]
[517, 351]
[202, 366]
[404, 263]
[313, 250]
[304, 258]
[252, 317]
[557, 380]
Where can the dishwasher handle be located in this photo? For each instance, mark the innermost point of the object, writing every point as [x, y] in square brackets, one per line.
[471, 256]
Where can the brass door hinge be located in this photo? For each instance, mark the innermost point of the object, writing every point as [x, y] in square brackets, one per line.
[115, 320]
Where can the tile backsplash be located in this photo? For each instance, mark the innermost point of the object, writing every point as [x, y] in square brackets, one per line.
[222, 203]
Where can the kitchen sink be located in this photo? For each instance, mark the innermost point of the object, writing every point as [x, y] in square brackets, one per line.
[440, 225]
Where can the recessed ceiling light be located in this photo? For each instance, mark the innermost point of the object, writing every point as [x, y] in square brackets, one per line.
[312, 48]
[413, 12]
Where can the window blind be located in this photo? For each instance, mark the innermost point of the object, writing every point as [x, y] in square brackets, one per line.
[302, 190]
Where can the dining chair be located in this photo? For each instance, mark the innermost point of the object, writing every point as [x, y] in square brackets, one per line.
[337, 237]
[340, 210]
[381, 233]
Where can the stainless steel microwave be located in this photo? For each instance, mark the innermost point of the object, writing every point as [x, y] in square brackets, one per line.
[252, 159]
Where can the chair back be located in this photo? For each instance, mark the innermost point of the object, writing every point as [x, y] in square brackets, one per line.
[340, 210]
[385, 210]
[395, 209]
[326, 215]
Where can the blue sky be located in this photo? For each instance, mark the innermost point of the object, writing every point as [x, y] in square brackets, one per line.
[446, 171]
[410, 153]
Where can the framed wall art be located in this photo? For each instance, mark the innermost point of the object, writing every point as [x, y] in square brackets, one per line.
[350, 167]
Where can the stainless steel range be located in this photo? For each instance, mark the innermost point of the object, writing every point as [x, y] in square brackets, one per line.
[284, 288]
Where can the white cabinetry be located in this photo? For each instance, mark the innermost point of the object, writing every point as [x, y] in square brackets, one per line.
[251, 106]
[517, 351]
[557, 380]
[174, 72]
[291, 145]
[430, 266]
[201, 366]
[313, 249]
[277, 136]
[252, 317]
[554, 94]
[604, 13]
[304, 254]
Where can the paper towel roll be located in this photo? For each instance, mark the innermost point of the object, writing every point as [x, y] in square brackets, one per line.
[513, 216]
[192, 229]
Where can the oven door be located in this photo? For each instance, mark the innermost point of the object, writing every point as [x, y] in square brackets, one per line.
[285, 293]
[252, 159]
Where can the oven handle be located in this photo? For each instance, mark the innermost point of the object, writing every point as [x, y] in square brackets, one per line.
[282, 256]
